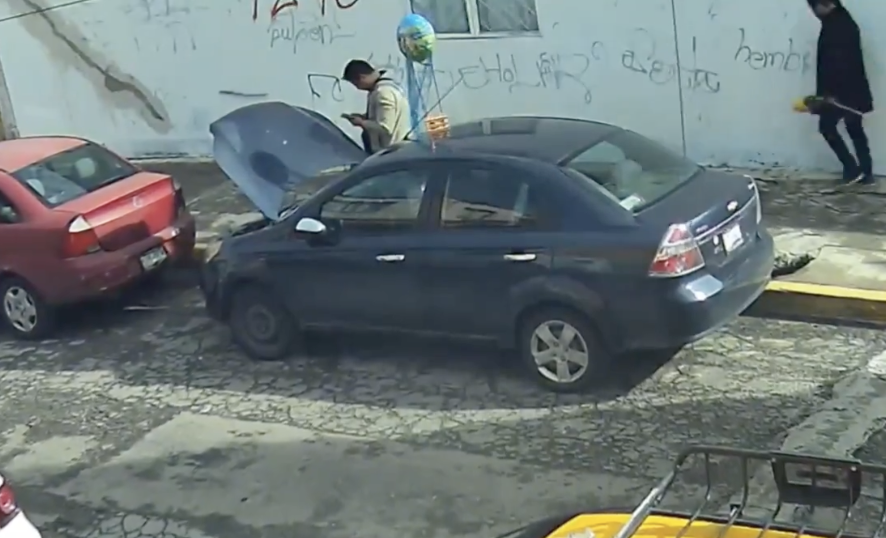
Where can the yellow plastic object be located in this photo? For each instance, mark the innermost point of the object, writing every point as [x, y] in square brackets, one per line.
[437, 127]
[606, 525]
[799, 105]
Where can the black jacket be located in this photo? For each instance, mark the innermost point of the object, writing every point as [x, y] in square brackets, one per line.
[840, 71]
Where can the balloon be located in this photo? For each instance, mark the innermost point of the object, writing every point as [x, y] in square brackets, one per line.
[416, 38]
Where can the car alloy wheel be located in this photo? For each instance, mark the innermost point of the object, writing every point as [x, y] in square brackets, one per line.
[261, 325]
[560, 348]
[24, 311]
[20, 308]
[560, 352]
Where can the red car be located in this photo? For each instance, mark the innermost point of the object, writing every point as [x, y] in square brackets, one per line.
[78, 222]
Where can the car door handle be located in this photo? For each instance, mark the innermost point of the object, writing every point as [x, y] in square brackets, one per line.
[390, 258]
[520, 257]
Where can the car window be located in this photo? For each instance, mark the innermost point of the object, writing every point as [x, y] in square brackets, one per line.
[484, 198]
[385, 202]
[71, 174]
[634, 169]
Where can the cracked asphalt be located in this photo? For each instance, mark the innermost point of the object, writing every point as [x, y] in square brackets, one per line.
[149, 423]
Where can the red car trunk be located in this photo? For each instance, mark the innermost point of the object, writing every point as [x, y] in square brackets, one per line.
[128, 211]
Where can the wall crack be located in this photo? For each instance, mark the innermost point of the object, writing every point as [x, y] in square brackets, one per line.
[66, 45]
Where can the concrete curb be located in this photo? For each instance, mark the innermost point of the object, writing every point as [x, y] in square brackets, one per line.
[201, 247]
[820, 302]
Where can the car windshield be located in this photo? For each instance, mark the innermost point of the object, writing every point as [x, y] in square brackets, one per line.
[71, 174]
[635, 170]
[301, 192]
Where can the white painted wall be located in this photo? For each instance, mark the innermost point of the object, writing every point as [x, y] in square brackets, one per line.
[194, 60]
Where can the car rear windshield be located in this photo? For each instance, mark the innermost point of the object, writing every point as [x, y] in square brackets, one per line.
[73, 173]
[635, 170]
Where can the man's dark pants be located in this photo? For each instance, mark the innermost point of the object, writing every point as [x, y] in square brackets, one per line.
[827, 125]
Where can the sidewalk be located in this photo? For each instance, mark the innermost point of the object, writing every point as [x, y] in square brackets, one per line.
[843, 237]
[840, 239]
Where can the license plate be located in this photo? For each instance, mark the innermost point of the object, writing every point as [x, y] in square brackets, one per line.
[152, 258]
[732, 238]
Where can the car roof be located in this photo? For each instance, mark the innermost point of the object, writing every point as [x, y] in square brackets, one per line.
[18, 153]
[547, 139]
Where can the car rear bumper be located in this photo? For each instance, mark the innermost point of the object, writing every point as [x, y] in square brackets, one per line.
[19, 527]
[102, 273]
[702, 303]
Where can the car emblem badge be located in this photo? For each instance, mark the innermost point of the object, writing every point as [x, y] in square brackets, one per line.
[732, 206]
[137, 202]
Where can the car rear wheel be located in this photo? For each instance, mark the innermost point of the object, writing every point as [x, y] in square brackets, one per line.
[560, 349]
[25, 313]
[261, 325]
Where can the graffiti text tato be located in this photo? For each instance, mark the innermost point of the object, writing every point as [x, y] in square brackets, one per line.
[280, 6]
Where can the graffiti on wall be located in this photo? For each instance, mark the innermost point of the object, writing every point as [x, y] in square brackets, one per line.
[512, 73]
[574, 72]
[293, 24]
[280, 6]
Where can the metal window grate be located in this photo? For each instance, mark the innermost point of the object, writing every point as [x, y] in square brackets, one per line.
[479, 16]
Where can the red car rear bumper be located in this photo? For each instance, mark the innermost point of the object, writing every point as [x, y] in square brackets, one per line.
[103, 273]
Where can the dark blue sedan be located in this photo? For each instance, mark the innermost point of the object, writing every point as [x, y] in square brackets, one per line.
[570, 241]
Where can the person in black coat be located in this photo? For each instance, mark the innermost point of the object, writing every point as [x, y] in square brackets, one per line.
[841, 78]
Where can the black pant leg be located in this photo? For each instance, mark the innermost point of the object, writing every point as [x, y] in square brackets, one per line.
[855, 129]
[827, 126]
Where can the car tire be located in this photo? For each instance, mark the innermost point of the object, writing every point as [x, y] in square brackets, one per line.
[583, 356]
[26, 315]
[261, 325]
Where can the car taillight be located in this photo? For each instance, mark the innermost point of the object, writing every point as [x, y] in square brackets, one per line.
[678, 254]
[81, 239]
[8, 506]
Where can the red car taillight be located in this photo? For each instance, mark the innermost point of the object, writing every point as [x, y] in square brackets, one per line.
[678, 253]
[8, 506]
[81, 239]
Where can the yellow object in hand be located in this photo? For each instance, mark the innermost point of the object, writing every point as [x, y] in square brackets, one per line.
[799, 105]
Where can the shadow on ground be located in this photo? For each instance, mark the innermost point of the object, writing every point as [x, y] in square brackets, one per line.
[164, 322]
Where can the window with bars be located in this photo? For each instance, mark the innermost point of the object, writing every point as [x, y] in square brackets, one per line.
[479, 17]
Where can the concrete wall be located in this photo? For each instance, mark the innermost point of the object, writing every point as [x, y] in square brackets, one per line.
[147, 76]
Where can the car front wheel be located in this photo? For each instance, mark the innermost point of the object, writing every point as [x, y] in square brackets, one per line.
[261, 325]
[27, 315]
[561, 350]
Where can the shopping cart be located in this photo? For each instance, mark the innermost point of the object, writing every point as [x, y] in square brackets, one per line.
[802, 484]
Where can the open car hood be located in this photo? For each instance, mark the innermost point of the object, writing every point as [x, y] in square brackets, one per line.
[269, 148]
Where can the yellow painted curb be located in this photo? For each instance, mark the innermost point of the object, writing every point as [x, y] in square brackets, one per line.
[199, 252]
[821, 302]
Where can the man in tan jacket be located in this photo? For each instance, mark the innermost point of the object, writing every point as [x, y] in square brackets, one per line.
[387, 118]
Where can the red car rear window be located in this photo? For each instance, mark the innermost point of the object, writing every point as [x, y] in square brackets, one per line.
[71, 174]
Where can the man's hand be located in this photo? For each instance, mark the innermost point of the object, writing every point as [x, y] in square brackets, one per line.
[354, 119]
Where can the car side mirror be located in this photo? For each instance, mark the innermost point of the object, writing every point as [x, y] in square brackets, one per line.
[310, 226]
